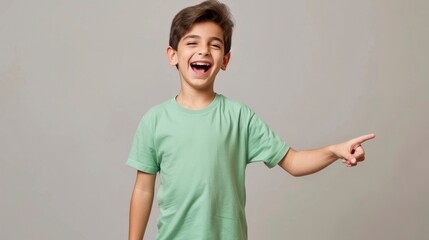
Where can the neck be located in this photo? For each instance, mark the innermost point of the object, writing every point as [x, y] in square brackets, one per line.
[195, 100]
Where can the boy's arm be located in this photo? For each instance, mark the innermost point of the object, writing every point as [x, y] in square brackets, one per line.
[141, 204]
[300, 163]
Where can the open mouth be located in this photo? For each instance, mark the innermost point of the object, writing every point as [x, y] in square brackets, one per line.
[200, 67]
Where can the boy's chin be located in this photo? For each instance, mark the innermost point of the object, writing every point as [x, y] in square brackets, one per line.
[200, 84]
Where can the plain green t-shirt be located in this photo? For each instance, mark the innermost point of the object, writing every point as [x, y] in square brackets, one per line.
[201, 157]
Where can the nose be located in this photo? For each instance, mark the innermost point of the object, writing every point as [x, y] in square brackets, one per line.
[204, 50]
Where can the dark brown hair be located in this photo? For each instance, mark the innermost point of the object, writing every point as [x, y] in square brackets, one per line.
[210, 10]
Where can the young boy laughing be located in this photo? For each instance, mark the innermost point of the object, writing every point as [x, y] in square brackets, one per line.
[200, 141]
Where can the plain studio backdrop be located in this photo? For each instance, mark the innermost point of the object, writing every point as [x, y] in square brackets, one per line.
[76, 77]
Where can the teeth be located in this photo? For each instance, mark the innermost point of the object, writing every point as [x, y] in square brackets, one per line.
[201, 64]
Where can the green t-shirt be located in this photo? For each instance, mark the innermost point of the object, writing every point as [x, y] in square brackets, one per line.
[201, 157]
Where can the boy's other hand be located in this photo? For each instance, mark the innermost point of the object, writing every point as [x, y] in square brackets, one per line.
[351, 152]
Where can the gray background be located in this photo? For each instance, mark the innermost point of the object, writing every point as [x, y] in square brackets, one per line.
[76, 77]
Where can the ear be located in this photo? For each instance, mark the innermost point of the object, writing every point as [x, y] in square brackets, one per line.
[225, 61]
[172, 56]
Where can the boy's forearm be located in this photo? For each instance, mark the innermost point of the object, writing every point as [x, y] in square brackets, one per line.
[140, 208]
[301, 163]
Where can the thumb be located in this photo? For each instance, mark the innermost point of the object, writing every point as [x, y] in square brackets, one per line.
[349, 157]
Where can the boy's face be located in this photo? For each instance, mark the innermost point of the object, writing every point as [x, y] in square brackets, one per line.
[199, 56]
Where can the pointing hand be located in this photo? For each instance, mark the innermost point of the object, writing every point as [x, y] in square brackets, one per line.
[352, 151]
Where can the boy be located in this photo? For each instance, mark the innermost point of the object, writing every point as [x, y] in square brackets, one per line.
[200, 142]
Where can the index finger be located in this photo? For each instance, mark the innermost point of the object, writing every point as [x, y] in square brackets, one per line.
[362, 139]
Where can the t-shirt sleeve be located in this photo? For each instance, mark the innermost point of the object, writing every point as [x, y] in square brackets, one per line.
[143, 155]
[264, 144]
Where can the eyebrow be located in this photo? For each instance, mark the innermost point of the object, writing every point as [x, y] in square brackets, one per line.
[196, 36]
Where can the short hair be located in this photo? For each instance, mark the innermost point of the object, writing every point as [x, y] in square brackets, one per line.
[210, 10]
